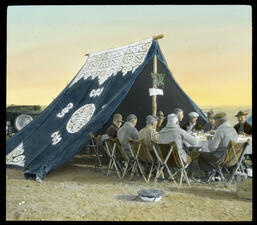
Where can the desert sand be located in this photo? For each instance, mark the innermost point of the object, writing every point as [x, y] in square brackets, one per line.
[80, 192]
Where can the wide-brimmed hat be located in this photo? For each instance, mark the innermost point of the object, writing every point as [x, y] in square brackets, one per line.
[160, 115]
[241, 113]
[210, 114]
[220, 115]
[118, 117]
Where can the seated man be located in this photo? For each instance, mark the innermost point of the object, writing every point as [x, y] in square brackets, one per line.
[148, 133]
[243, 127]
[172, 132]
[127, 131]
[180, 114]
[192, 125]
[218, 144]
[210, 126]
[116, 123]
[160, 117]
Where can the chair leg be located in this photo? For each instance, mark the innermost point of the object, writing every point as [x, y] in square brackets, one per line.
[226, 169]
[181, 177]
[141, 170]
[124, 169]
[187, 180]
[221, 174]
[118, 172]
[113, 163]
[157, 172]
[109, 167]
[171, 176]
[150, 172]
[133, 170]
[160, 172]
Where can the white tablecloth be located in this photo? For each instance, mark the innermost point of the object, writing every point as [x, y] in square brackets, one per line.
[203, 143]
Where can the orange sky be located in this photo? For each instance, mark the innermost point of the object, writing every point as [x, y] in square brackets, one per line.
[208, 48]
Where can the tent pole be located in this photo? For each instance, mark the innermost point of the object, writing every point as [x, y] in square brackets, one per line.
[154, 102]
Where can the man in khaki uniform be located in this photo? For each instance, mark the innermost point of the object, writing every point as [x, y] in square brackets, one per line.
[148, 133]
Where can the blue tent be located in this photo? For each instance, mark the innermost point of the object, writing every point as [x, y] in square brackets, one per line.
[115, 80]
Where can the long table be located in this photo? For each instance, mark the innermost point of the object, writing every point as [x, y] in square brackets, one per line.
[203, 142]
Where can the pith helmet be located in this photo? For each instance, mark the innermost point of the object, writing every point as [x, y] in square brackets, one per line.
[117, 117]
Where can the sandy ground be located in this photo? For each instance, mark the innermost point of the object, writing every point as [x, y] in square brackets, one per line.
[78, 191]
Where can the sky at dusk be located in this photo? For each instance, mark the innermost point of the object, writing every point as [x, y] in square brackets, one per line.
[208, 48]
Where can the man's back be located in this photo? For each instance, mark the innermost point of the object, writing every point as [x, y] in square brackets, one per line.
[175, 133]
[125, 132]
[219, 143]
[148, 134]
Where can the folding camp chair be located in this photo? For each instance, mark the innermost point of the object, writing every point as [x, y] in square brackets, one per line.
[118, 157]
[176, 162]
[110, 147]
[135, 149]
[148, 159]
[94, 146]
[122, 158]
[163, 152]
[232, 159]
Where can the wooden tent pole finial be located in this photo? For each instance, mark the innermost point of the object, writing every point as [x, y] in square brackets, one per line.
[159, 36]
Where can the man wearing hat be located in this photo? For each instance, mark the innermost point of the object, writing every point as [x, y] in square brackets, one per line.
[148, 133]
[128, 130]
[242, 127]
[217, 146]
[192, 124]
[116, 123]
[161, 117]
[173, 132]
[210, 126]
